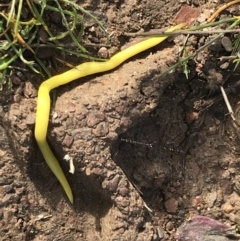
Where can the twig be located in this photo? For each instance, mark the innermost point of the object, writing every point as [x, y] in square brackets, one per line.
[148, 208]
[68, 45]
[229, 107]
[231, 57]
[215, 14]
[162, 33]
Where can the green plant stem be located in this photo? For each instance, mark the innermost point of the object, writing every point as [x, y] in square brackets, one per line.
[198, 50]
[70, 30]
[89, 14]
[16, 25]
[11, 13]
[192, 30]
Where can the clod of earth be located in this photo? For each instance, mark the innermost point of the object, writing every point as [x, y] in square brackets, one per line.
[85, 69]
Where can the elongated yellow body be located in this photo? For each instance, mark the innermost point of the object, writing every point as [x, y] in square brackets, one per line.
[43, 103]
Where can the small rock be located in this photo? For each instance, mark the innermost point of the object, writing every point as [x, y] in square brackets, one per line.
[15, 80]
[55, 115]
[20, 190]
[125, 122]
[88, 171]
[216, 46]
[226, 174]
[30, 120]
[64, 117]
[225, 186]
[60, 131]
[120, 109]
[204, 16]
[5, 181]
[102, 129]
[227, 44]
[97, 171]
[10, 198]
[72, 107]
[169, 226]
[113, 183]
[29, 91]
[121, 231]
[224, 65]
[171, 205]
[103, 52]
[227, 207]
[84, 133]
[17, 98]
[191, 116]
[122, 201]
[94, 118]
[68, 140]
[22, 126]
[123, 191]
[210, 198]
[2, 153]
[234, 217]
[122, 94]
[237, 187]
[112, 136]
[80, 115]
[8, 189]
[214, 79]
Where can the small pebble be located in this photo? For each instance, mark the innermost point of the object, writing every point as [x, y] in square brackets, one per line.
[227, 207]
[224, 65]
[15, 80]
[29, 90]
[102, 129]
[55, 115]
[171, 205]
[94, 118]
[22, 126]
[227, 44]
[169, 226]
[204, 16]
[72, 107]
[68, 140]
[17, 98]
[84, 133]
[123, 94]
[123, 191]
[30, 120]
[103, 52]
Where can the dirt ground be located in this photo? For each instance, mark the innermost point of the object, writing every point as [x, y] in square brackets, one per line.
[149, 152]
